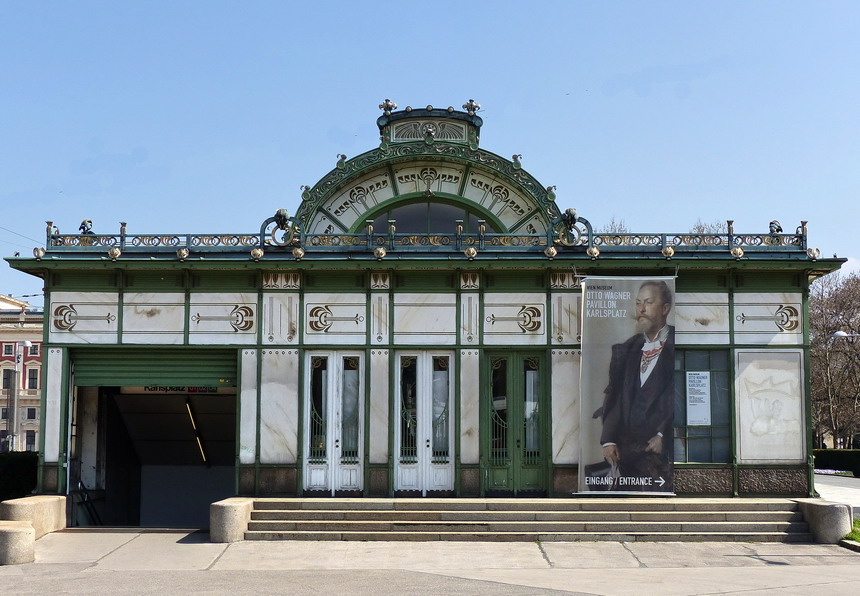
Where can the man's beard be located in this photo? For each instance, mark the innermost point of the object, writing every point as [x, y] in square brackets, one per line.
[646, 325]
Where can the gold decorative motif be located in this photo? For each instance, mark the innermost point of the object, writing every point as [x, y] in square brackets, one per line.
[469, 281]
[241, 318]
[527, 319]
[786, 318]
[668, 252]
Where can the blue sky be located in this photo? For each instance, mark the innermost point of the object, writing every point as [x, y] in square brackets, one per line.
[192, 116]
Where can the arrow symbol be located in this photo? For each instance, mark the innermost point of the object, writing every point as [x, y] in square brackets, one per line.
[661, 482]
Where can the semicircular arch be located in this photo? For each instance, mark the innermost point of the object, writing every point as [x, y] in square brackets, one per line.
[484, 183]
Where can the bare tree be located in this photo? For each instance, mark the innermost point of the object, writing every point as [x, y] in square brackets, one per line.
[615, 226]
[834, 305]
[713, 227]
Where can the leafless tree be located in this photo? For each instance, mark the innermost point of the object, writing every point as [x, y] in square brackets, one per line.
[712, 227]
[615, 226]
[834, 305]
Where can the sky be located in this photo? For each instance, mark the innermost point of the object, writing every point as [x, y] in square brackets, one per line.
[207, 116]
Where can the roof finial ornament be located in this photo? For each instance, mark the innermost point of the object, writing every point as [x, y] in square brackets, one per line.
[517, 157]
[775, 227]
[341, 161]
[86, 226]
[386, 106]
[471, 107]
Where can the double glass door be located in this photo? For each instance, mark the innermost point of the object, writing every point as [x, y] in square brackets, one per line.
[334, 420]
[515, 417]
[423, 422]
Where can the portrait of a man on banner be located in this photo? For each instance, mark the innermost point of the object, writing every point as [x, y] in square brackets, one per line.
[628, 387]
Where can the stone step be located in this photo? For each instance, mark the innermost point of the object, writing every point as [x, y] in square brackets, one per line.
[528, 526]
[534, 536]
[573, 504]
[482, 516]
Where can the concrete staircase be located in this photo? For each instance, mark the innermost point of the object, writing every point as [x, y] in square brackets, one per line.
[547, 520]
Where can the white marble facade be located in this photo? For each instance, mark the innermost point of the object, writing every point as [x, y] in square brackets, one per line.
[770, 406]
[279, 406]
[335, 319]
[83, 317]
[768, 318]
[153, 318]
[470, 392]
[701, 318]
[223, 318]
[565, 406]
[425, 319]
[248, 406]
[280, 318]
[512, 318]
[379, 374]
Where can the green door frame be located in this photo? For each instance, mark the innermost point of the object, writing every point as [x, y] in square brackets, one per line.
[514, 453]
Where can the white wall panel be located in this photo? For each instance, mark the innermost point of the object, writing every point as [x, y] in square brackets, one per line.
[248, 407]
[769, 403]
[470, 395]
[379, 379]
[279, 406]
[54, 395]
[83, 317]
[153, 318]
[565, 406]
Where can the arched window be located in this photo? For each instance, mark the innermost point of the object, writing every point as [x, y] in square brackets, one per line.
[430, 218]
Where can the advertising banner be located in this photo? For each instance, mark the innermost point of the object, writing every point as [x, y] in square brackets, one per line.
[627, 385]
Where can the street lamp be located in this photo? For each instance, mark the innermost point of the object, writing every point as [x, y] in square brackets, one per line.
[843, 335]
[12, 410]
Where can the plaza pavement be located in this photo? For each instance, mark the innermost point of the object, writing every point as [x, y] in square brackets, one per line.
[176, 562]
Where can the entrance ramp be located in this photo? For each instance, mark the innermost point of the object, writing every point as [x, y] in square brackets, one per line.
[512, 520]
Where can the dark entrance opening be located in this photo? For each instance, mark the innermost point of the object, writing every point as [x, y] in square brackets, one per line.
[151, 457]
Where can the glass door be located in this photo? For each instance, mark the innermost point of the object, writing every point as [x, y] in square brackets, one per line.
[333, 422]
[424, 426]
[515, 422]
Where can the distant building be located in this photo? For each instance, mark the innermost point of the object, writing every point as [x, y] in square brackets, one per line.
[19, 323]
[415, 328]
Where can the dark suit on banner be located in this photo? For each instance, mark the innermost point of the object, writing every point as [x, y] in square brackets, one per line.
[634, 413]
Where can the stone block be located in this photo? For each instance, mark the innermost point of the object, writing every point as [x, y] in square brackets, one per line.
[829, 522]
[46, 513]
[17, 543]
[228, 519]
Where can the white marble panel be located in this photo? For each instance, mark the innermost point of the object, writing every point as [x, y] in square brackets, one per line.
[248, 407]
[769, 405]
[223, 318]
[84, 317]
[565, 406]
[774, 318]
[279, 406]
[470, 317]
[701, 318]
[281, 318]
[514, 319]
[470, 396]
[379, 318]
[440, 177]
[429, 319]
[151, 318]
[335, 318]
[53, 400]
[353, 202]
[565, 309]
[379, 377]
